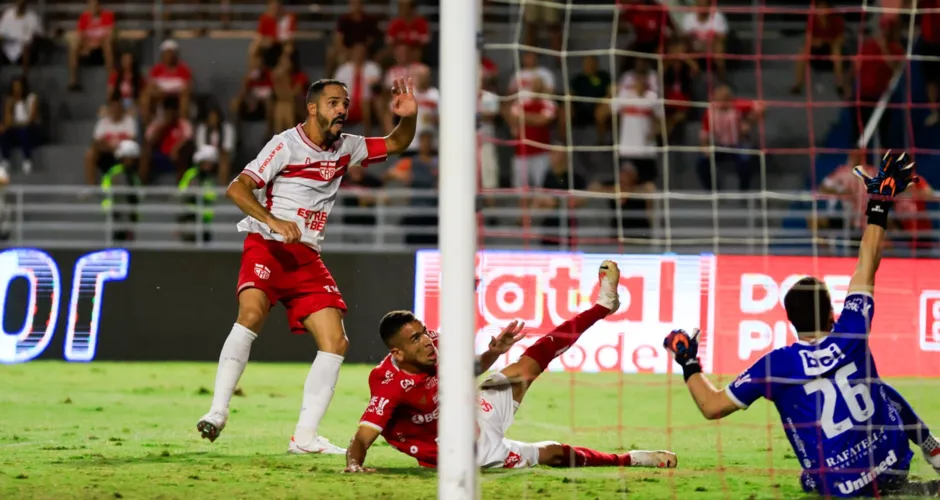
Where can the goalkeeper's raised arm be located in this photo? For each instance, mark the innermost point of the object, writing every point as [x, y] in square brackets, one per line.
[896, 173]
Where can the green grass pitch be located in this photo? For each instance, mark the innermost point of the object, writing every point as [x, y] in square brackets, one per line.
[127, 430]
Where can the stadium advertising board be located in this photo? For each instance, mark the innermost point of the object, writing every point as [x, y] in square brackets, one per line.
[737, 301]
[658, 293]
[750, 318]
[116, 304]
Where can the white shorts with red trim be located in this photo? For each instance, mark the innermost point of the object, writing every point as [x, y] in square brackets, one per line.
[496, 414]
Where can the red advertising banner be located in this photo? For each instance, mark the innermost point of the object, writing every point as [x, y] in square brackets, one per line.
[657, 292]
[750, 319]
[737, 302]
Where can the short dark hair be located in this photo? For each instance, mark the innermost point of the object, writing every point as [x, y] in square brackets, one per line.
[808, 305]
[313, 93]
[392, 323]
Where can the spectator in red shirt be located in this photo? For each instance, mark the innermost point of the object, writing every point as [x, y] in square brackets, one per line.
[275, 31]
[127, 83]
[169, 145]
[880, 56]
[253, 100]
[727, 123]
[489, 73]
[408, 28]
[913, 216]
[825, 37]
[847, 211]
[548, 16]
[530, 119]
[93, 41]
[168, 78]
[650, 23]
[930, 47]
[352, 28]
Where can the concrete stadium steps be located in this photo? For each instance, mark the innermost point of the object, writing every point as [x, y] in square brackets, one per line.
[73, 132]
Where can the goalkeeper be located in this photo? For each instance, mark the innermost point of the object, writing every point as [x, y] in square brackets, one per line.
[849, 429]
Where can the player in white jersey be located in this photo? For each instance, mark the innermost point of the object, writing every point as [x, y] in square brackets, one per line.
[287, 193]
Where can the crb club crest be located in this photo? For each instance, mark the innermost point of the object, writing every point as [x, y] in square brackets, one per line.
[407, 384]
[262, 271]
[327, 172]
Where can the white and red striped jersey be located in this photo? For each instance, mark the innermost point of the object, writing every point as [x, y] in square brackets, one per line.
[640, 117]
[297, 181]
[724, 123]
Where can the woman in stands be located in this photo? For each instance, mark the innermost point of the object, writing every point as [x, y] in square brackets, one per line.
[214, 131]
[126, 80]
[20, 123]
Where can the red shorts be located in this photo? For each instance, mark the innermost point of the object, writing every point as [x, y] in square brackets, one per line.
[291, 273]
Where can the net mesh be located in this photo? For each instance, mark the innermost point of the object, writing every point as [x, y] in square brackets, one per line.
[715, 193]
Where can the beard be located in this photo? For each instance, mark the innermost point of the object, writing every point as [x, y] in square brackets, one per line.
[325, 126]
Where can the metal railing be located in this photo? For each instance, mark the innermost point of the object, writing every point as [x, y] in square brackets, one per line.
[403, 219]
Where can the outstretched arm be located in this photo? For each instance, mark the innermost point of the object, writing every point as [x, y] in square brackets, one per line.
[712, 402]
[405, 107]
[358, 446]
[895, 175]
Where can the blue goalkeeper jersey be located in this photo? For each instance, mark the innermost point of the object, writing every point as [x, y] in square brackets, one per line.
[847, 435]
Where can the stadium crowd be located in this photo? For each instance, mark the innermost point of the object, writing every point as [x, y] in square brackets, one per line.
[640, 104]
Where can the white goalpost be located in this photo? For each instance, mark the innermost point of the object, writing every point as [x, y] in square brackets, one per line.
[459, 60]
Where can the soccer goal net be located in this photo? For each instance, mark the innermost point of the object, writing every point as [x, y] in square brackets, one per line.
[707, 148]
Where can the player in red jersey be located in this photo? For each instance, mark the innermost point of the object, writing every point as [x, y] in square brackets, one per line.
[404, 410]
[287, 193]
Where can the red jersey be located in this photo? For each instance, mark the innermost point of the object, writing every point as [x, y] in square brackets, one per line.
[914, 207]
[403, 407]
[260, 84]
[171, 80]
[177, 133]
[409, 32]
[874, 72]
[649, 20]
[281, 29]
[541, 134]
[929, 22]
[726, 122]
[127, 87]
[96, 27]
[827, 26]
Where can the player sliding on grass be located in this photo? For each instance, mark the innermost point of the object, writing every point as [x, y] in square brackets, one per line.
[287, 193]
[404, 408]
[849, 429]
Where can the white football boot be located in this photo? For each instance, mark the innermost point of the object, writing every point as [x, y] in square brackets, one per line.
[609, 277]
[661, 459]
[211, 425]
[318, 444]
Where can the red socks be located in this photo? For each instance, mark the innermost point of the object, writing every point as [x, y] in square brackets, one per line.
[553, 344]
[575, 456]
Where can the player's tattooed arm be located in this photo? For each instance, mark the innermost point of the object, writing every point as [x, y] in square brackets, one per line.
[358, 446]
[405, 107]
[241, 192]
[500, 345]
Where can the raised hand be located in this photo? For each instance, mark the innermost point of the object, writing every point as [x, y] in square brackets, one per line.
[507, 338]
[895, 174]
[403, 98]
[684, 348]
